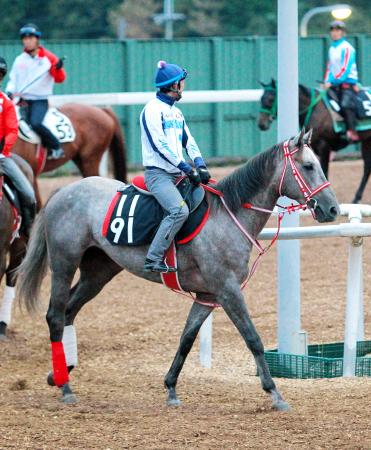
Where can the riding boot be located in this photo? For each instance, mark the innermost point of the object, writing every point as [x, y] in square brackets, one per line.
[25, 192]
[350, 123]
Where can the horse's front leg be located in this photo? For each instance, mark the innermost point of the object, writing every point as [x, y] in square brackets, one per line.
[197, 315]
[233, 303]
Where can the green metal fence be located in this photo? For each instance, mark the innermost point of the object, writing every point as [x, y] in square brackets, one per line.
[213, 63]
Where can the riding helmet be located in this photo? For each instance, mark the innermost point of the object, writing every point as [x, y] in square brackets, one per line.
[337, 25]
[30, 29]
[168, 74]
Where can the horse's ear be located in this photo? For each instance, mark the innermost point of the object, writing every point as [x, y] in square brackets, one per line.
[273, 83]
[262, 84]
[308, 137]
[298, 140]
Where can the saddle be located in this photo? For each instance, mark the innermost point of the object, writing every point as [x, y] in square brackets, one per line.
[58, 123]
[363, 110]
[134, 215]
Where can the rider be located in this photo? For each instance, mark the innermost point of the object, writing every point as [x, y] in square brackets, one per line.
[32, 76]
[164, 134]
[342, 76]
[8, 136]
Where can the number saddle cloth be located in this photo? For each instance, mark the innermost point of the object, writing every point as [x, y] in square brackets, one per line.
[58, 123]
[363, 110]
[134, 215]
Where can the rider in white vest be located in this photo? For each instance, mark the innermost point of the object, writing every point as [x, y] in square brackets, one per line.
[32, 77]
[342, 76]
[164, 135]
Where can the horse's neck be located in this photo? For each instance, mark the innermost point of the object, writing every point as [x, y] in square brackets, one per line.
[255, 220]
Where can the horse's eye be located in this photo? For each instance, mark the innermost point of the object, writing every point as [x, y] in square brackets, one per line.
[308, 166]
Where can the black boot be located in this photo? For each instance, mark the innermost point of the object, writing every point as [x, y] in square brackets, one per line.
[161, 267]
[28, 217]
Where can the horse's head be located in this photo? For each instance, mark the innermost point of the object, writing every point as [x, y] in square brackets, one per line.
[268, 105]
[303, 179]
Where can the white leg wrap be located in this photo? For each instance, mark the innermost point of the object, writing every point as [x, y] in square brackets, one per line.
[6, 306]
[70, 345]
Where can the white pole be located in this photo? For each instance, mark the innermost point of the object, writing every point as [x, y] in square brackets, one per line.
[288, 109]
[354, 308]
[206, 332]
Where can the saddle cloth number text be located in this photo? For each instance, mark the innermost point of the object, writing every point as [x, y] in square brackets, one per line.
[118, 224]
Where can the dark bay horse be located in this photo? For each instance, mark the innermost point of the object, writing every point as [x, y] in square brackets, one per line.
[314, 114]
[97, 129]
[11, 251]
[67, 236]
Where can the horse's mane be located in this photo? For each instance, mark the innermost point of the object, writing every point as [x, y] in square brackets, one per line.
[304, 90]
[245, 182]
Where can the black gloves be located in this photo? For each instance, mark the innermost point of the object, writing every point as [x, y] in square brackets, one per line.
[194, 177]
[59, 64]
[204, 174]
[10, 95]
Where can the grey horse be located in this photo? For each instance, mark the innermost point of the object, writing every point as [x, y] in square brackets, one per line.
[67, 236]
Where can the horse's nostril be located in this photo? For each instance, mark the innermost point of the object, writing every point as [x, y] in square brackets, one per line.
[334, 211]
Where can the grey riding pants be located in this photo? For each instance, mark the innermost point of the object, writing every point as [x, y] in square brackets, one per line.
[162, 186]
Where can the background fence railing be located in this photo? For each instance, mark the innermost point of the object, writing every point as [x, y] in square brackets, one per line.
[221, 129]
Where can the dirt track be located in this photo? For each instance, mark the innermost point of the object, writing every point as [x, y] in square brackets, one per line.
[127, 339]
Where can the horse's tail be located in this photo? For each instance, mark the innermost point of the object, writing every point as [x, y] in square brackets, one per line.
[33, 268]
[117, 149]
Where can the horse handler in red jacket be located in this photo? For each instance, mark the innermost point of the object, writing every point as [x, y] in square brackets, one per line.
[8, 136]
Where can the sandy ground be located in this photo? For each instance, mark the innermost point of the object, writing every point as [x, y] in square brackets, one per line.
[128, 336]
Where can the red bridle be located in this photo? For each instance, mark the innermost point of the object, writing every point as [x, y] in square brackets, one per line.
[304, 188]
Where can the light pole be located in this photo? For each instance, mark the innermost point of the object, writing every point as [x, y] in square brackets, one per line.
[339, 11]
[167, 18]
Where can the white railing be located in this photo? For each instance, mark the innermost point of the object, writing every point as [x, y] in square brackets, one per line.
[140, 98]
[354, 320]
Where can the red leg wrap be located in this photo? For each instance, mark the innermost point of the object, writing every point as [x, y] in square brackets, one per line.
[60, 371]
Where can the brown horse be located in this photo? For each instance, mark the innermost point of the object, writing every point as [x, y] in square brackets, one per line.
[313, 113]
[96, 130]
[11, 250]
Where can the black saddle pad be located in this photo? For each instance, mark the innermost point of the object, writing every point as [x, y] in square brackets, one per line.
[363, 102]
[133, 218]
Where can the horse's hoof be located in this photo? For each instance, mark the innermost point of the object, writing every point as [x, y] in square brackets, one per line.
[173, 402]
[281, 406]
[69, 399]
[50, 379]
[3, 338]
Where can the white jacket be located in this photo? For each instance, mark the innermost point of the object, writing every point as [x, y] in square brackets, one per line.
[25, 70]
[164, 135]
[341, 66]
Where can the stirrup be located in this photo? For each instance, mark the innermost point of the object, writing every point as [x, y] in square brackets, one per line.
[160, 267]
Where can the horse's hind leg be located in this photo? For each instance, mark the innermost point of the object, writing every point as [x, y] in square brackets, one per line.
[233, 303]
[96, 270]
[366, 155]
[62, 277]
[197, 315]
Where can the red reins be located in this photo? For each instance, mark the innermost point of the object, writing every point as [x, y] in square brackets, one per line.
[304, 188]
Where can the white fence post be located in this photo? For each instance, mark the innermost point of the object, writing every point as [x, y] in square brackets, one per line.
[354, 307]
[288, 113]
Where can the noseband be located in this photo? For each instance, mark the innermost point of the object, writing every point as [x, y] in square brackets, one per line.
[272, 111]
[308, 194]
